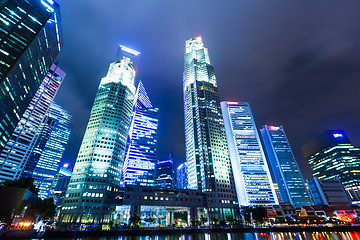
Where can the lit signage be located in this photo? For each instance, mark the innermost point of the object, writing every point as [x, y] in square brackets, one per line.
[274, 128]
[337, 135]
[129, 50]
[232, 103]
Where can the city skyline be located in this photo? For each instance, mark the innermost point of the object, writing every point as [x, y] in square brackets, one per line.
[295, 68]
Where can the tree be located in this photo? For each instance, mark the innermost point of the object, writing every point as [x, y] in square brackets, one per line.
[46, 209]
[22, 183]
[134, 221]
[259, 214]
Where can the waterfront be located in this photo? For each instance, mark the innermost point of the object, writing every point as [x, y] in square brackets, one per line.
[232, 236]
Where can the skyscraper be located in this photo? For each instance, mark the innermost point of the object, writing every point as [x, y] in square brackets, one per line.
[331, 155]
[181, 176]
[253, 181]
[207, 154]
[328, 192]
[60, 184]
[50, 145]
[165, 173]
[140, 156]
[97, 171]
[284, 167]
[20, 146]
[30, 40]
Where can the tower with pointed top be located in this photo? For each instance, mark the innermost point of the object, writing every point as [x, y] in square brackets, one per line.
[98, 167]
[207, 155]
[140, 156]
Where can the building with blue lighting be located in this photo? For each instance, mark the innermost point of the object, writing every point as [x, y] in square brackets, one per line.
[165, 173]
[181, 176]
[328, 192]
[16, 153]
[331, 155]
[207, 155]
[254, 185]
[60, 184]
[140, 155]
[30, 40]
[284, 167]
[44, 161]
[98, 167]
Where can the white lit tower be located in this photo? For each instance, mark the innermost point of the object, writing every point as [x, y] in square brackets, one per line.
[253, 181]
[207, 155]
[97, 171]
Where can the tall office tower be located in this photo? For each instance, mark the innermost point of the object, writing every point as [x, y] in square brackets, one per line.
[331, 155]
[328, 192]
[284, 167]
[45, 158]
[165, 173]
[140, 156]
[207, 154]
[97, 171]
[60, 184]
[181, 176]
[30, 40]
[18, 149]
[253, 181]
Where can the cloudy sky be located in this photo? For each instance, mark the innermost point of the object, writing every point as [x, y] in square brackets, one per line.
[296, 62]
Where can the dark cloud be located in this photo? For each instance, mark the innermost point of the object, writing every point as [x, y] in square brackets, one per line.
[296, 62]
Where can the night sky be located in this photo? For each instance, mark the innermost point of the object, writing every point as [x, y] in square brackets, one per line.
[296, 62]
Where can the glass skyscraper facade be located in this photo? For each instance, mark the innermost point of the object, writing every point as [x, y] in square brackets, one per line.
[140, 156]
[181, 176]
[253, 181]
[98, 167]
[165, 173]
[284, 167]
[331, 155]
[207, 154]
[44, 161]
[60, 184]
[30, 40]
[15, 156]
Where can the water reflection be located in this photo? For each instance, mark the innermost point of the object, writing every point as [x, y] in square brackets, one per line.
[238, 236]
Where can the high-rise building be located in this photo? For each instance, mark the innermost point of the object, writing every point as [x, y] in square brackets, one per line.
[207, 154]
[60, 184]
[331, 155]
[97, 171]
[50, 145]
[165, 173]
[328, 192]
[20, 146]
[253, 181]
[284, 166]
[181, 176]
[30, 40]
[140, 156]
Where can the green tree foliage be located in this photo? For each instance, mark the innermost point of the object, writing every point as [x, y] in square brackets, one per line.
[134, 221]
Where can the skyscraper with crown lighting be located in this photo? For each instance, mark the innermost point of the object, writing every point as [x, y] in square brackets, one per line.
[207, 155]
[98, 167]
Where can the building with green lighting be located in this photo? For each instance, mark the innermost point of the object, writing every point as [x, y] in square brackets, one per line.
[97, 171]
[207, 155]
[331, 155]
